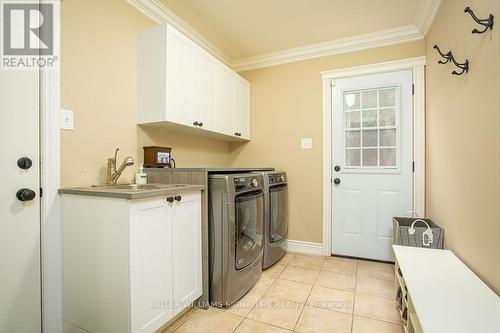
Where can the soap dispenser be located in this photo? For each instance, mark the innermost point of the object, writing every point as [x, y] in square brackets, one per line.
[141, 178]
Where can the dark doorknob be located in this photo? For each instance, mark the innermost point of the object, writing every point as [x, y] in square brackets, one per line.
[25, 194]
[337, 168]
[336, 181]
[170, 199]
[196, 123]
[200, 124]
[24, 163]
[178, 198]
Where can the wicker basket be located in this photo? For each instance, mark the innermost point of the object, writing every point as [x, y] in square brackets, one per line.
[418, 236]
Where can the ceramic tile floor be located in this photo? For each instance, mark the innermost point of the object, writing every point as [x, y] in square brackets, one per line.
[307, 294]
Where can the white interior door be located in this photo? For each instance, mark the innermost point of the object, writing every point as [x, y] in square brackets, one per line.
[372, 161]
[20, 309]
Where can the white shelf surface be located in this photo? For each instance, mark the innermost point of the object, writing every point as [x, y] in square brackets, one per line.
[446, 294]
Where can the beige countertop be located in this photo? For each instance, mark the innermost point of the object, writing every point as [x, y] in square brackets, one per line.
[131, 191]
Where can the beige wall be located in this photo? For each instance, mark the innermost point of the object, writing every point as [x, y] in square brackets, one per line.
[287, 106]
[463, 138]
[99, 65]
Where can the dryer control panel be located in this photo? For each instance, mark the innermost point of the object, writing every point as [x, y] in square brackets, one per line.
[276, 178]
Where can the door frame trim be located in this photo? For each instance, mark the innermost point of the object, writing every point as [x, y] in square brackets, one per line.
[417, 65]
[50, 228]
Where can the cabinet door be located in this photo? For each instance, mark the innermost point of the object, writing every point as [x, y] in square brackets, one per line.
[150, 265]
[179, 85]
[186, 250]
[224, 101]
[242, 107]
[204, 90]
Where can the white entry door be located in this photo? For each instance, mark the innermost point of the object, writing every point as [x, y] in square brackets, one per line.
[20, 294]
[372, 161]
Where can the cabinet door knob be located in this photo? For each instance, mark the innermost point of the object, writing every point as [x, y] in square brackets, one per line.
[178, 198]
[195, 123]
[25, 194]
[200, 124]
[337, 168]
[170, 199]
[24, 163]
[336, 181]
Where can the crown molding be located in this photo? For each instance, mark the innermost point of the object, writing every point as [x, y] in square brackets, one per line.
[425, 14]
[350, 44]
[161, 14]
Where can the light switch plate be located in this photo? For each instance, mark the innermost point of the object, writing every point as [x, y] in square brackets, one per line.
[306, 143]
[67, 120]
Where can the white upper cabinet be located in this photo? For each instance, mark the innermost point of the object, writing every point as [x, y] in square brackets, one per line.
[224, 100]
[182, 86]
[204, 91]
[179, 92]
[241, 108]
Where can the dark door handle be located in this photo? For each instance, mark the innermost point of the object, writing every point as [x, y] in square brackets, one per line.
[178, 198]
[336, 181]
[170, 199]
[24, 163]
[196, 123]
[25, 194]
[337, 168]
[200, 124]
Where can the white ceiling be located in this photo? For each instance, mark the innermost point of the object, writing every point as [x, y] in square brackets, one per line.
[249, 28]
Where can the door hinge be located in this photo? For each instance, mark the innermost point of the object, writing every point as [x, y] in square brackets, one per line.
[413, 166]
[413, 89]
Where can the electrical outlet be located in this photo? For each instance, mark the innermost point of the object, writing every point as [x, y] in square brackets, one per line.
[306, 143]
[67, 120]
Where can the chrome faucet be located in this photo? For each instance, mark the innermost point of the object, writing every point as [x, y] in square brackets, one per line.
[112, 173]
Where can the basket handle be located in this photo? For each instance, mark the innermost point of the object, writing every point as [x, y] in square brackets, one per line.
[428, 233]
[411, 213]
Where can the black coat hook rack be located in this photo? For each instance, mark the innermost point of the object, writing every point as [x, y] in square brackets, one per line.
[487, 23]
[450, 58]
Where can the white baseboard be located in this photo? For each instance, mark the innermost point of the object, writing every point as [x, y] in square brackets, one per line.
[303, 247]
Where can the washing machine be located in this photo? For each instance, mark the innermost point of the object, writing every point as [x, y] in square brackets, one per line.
[276, 216]
[236, 219]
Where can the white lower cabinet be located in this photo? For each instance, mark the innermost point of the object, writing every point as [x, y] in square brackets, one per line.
[129, 265]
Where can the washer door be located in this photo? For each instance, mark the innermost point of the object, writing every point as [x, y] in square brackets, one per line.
[249, 218]
[278, 212]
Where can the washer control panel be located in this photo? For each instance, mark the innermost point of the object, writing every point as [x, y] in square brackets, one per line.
[247, 183]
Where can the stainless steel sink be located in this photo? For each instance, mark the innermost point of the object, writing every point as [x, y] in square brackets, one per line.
[135, 187]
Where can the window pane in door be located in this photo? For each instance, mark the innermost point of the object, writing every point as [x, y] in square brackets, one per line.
[352, 119]
[370, 157]
[369, 118]
[388, 157]
[351, 101]
[352, 138]
[387, 138]
[370, 138]
[387, 97]
[387, 117]
[369, 99]
[353, 157]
